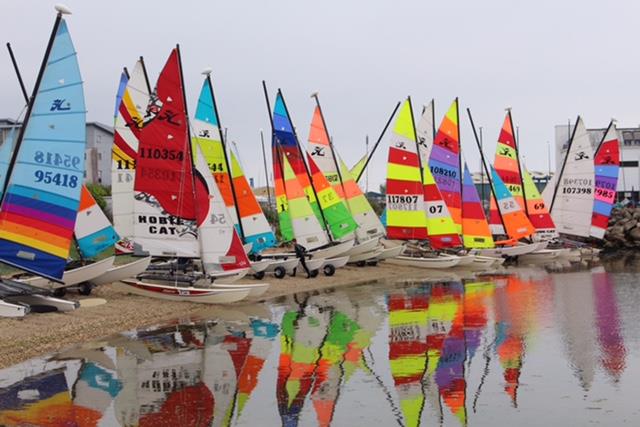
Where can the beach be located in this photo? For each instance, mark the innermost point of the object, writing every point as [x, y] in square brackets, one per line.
[38, 334]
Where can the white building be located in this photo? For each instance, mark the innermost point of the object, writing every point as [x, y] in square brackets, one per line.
[629, 177]
[97, 154]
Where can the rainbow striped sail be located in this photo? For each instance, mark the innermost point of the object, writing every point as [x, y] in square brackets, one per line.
[537, 209]
[405, 193]
[257, 230]
[285, 139]
[572, 203]
[93, 230]
[305, 225]
[207, 136]
[131, 103]
[607, 165]
[444, 162]
[320, 152]
[515, 221]
[39, 207]
[282, 203]
[475, 228]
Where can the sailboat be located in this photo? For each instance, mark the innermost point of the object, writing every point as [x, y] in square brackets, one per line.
[41, 192]
[406, 216]
[182, 206]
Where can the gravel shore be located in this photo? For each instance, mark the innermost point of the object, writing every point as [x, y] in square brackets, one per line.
[39, 334]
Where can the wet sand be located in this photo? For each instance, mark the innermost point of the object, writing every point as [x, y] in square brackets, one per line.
[39, 334]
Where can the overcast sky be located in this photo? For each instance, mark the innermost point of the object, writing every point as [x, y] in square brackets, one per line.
[548, 59]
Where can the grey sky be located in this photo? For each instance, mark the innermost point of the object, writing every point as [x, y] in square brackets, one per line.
[549, 60]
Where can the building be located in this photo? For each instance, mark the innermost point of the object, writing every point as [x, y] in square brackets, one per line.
[629, 175]
[97, 155]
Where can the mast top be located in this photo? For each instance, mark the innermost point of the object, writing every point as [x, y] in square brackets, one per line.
[314, 94]
[62, 9]
[206, 72]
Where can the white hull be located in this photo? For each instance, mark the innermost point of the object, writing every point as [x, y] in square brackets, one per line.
[337, 262]
[436, 262]
[478, 262]
[390, 252]
[255, 289]
[334, 250]
[391, 243]
[59, 304]
[360, 248]
[288, 264]
[540, 256]
[73, 277]
[365, 256]
[12, 310]
[125, 271]
[260, 266]
[508, 250]
[188, 294]
[570, 254]
[315, 263]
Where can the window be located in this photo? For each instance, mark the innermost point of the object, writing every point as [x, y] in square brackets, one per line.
[99, 155]
[629, 164]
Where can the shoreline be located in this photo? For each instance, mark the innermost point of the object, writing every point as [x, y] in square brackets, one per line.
[41, 334]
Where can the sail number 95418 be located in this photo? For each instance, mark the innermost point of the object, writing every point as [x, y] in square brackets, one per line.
[57, 159]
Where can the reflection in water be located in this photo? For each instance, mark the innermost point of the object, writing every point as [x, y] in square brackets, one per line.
[452, 351]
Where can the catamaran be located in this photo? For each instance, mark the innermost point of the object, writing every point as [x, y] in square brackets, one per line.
[180, 211]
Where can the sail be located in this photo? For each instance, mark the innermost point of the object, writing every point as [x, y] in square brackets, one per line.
[131, 104]
[442, 231]
[444, 162]
[475, 228]
[282, 203]
[5, 157]
[306, 227]
[572, 206]
[537, 209]
[506, 161]
[405, 194]
[607, 165]
[207, 136]
[515, 221]
[335, 211]
[425, 133]
[39, 208]
[93, 230]
[220, 245]
[254, 224]
[287, 142]
[166, 192]
[358, 169]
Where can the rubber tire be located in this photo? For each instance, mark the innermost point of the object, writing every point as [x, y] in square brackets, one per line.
[372, 263]
[361, 263]
[85, 288]
[59, 292]
[259, 275]
[314, 273]
[329, 270]
[279, 272]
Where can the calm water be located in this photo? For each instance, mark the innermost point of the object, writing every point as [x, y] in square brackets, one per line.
[524, 348]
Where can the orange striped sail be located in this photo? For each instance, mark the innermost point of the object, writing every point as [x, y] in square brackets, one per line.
[515, 221]
[405, 193]
[475, 228]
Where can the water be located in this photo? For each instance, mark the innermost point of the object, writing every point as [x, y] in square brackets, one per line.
[529, 348]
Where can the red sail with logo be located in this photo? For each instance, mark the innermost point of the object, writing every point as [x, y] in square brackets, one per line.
[164, 167]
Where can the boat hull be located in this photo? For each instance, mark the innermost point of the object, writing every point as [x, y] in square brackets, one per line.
[390, 252]
[431, 263]
[43, 300]
[255, 289]
[178, 293]
[119, 272]
[8, 309]
[374, 254]
[337, 262]
[540, 255]
[288, 264]
[74, 276]
[507, 250]
[334, 250]
[360, 248]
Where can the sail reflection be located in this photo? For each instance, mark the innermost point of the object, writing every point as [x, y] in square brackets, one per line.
[452, 350]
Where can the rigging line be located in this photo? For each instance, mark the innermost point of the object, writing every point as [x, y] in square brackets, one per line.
[394, 409]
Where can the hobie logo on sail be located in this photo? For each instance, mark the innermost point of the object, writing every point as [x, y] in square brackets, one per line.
[60, 105]
[161, 225]
[581, 156]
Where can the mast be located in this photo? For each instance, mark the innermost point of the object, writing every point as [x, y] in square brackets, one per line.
[306, 168]
[125, 70]
[604, 135]
[484, 164]
[516, 143]
[333, 152]
[373, 150]
[226, 158]
[36, 88]
[186, 113]
[461, 171]
[564, 163]
[264, 160]
[146, 76]
[17, 70]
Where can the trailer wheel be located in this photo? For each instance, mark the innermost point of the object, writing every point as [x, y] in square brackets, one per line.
[259, 275]
[361, 263]
[329, 270]
[59, 292]
[85, 288]
[314, 273]
[372, 263]
[279, 272]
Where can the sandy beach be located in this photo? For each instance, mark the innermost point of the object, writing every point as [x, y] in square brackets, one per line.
[39, 334]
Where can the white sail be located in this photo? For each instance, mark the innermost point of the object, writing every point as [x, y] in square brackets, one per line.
[220, 245]
[424, 133]
[572, 207]
[547, 192]
[129, 114]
